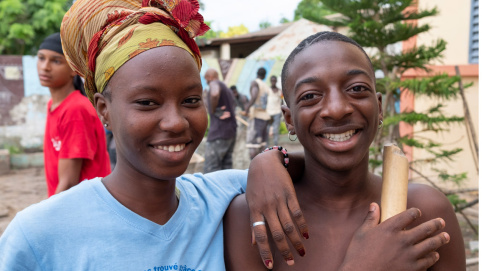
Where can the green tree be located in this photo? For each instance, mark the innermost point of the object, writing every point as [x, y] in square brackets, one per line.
[264, 24]
[379, 24]
[25, 23]
[311, 10]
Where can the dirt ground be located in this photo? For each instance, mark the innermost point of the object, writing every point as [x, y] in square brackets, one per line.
[21, 188]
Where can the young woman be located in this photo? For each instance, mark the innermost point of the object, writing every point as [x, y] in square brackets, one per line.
[74, 141]
[332, 105]
[141, 66]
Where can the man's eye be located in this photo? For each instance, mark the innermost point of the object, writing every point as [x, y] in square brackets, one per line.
[307, 97]
[359, 88]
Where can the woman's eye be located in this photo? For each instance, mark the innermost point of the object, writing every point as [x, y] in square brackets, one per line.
[145, 102]
[193, 100]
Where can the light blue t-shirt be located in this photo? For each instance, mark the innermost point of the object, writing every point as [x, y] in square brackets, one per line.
[85, 228]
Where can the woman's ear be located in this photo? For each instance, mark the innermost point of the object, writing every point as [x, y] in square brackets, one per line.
[100, 103]
[287, 115]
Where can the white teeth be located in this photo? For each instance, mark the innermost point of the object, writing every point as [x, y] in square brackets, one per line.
[172, 148]
[339, 137]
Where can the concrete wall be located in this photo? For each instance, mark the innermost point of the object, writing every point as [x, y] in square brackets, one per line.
[22, 123]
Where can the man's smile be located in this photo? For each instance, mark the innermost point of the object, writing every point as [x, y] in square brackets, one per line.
[340, 137]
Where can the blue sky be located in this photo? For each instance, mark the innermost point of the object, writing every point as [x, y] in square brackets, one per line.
[225, 13]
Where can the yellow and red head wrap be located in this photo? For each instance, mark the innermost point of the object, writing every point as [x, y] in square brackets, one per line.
[99, 36]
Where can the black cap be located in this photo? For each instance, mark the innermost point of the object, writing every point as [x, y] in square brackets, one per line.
[52, 43]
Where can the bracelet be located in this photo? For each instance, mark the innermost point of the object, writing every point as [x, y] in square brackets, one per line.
[284, 152]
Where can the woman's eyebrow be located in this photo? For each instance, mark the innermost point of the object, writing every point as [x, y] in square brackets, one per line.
[307, 80]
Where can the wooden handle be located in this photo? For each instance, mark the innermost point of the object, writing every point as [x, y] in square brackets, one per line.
[394, 182]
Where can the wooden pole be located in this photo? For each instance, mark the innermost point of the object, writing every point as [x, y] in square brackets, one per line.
[394, 182]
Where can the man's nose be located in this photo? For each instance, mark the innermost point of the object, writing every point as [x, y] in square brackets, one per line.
[336, 105]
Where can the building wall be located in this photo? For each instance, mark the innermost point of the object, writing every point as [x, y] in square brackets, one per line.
[453, 25]
[456, 137]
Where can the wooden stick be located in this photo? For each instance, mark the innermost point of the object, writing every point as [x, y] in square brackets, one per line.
[244, 122]
[394, 182]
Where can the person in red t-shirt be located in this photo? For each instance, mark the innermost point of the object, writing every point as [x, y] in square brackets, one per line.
[74, 141]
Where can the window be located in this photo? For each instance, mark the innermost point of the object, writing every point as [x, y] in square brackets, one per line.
[474, 31]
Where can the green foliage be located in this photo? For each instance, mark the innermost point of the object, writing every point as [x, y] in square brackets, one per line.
[284, 20]
[283, 128]
[210, 34]
[379, 24]
[311, 10]
[264, 24]
[25, 23]
[455, 200]
[455, 178]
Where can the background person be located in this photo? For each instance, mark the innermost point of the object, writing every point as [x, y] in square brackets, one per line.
[222, 132]
[274, 103]
[257, 114]
[74, 141]
[241, 100]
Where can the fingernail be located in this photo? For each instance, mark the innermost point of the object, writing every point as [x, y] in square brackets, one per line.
[442, 222]
[301, 252]
[437, 256]
[446, 237]
[306, 235]
[268, 264]
[290, 261]
[372, 208]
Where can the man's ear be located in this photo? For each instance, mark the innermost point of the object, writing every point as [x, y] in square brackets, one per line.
[287, 115]
[100, 103]
[379, 104]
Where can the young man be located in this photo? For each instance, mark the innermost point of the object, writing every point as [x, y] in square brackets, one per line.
[222, 132]
[332, 105]
[74, 141]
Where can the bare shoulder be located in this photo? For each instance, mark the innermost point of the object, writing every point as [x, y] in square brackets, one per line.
[434, 204]
[430, 201]
[240, 254]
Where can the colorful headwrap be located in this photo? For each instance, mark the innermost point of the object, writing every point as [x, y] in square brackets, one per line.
[99, 36]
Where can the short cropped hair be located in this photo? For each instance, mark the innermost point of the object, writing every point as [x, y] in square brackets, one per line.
[262, 72]
[311, 40]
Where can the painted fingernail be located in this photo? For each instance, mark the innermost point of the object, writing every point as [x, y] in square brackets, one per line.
[301, 252]
[306, 235]
[290, 261]
[268, 264]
